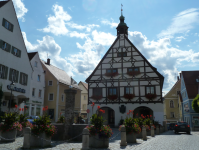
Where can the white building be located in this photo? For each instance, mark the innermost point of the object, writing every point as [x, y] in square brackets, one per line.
[37, 87]
[14, 62]
[124, 80]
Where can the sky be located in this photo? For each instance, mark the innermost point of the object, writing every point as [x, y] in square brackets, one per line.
[75, 34]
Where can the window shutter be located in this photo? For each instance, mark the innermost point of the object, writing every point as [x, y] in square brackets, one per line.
[18, 53]
[8, 46]
[10, 75]
[3, 22]
[12, 50]
[17, 74]
[20, 78]
[11, 27]
[1, 44]
[6, 72]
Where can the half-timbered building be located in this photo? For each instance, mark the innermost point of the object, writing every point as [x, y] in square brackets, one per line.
[125, 80]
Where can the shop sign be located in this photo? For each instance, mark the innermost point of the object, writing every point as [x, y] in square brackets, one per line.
[16, 89]
[36, 102]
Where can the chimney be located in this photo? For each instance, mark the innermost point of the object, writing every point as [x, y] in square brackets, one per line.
[178, 78]
[48, 61]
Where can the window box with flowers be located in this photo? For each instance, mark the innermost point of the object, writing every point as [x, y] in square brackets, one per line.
[99, 133]
[150, 92]
[133, 71]
[112, 93]
[8, 130]
[111, 72]
[97, 93]
[150, 96]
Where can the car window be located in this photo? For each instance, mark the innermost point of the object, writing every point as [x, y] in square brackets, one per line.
[180, 123]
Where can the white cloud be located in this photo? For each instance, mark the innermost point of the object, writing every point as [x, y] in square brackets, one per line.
[163, 56]
[20, 8]
[88, 27]
[107, 22]
[177, 46]
[181, 23]
[56, 24]
[78, 35]
[178, 39]
[196, 41]
[103, 38]
[48, 46]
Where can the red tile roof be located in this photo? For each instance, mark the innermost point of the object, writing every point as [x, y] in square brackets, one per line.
[190, 83]
[85, 85]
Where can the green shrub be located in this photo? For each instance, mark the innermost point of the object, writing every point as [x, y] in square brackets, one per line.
[195, 104]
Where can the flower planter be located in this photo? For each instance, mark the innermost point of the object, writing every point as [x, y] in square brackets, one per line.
[98, 142]
[111, 74]
[112, 97]
[38, 142]
[148, 133]
[131, 138]
[139, 136]
[150, 96]
[9, 135]
[134, 73]
[129, 96]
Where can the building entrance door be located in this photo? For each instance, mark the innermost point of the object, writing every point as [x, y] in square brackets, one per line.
[111, 116]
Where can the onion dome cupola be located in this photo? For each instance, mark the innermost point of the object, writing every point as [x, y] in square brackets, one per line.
[122, 28]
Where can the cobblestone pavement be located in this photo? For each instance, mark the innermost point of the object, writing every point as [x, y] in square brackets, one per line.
[165, 141]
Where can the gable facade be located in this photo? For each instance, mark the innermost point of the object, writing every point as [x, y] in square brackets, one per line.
[125, 77]
[14, 62]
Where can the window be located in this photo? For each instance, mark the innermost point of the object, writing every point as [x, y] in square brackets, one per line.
[13, 75]
[7, 25]
[171, 104]
[97, 92]
[112, 91]
[39, 93]
[150, 90]
[84, 106]
[121, 54]
[38, 78]
[50, 98]
[62, 98]
[128, 90]
[16, 52]
[172, 115]
[23, 78]
[38, 110]
[50, 83]
[184, 94]
[5, 46]
[84, 97]
[111, 71]
[33, 91]
[135, 69]
[3, 72]
[32, 110]
[35, 64]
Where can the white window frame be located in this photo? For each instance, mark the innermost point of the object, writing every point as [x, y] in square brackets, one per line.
[39, 78]
[36, 63]
[49, 97]
[49, 83]
[40, 93]
[172, 113]
[170, 103]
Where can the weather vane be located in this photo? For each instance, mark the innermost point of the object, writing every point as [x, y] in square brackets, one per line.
[121, 9]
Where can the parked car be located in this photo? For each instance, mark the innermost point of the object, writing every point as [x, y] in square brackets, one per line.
[31, 119]
[182, 127]
[171, 126]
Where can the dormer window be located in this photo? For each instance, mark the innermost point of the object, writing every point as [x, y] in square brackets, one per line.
[122, 54]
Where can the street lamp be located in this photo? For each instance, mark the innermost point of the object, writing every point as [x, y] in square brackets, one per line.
[11, 88]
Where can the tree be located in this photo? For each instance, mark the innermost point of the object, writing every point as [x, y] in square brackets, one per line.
[195, 104]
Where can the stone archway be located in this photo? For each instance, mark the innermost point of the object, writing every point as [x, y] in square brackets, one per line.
[142, 110]
[109, 116]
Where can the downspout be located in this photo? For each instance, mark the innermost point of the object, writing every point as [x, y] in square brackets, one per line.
[57, 102]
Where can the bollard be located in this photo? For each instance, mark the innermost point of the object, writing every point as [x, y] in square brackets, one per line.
[152, 131]
[144, 133]
[85, 139]
[157, 130]
[123, 136]
[26, 141]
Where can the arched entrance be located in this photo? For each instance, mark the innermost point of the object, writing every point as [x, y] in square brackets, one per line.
[109, 116]
[142, 110]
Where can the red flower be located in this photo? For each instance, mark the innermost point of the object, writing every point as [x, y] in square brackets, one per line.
[137, 114]
[103, 111]
[16, 106]
[93, 104]
[127, 113]
[19, 109]
[22, 109]
[98, 107]
[46, 107]
[43, 108]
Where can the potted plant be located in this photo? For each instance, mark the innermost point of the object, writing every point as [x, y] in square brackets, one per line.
[132, 127]
[11, 125]
[99, 133]
[61, 119]
[150, 96]
[44, 129]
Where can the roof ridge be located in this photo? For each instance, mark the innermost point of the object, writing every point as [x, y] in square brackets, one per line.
[173, 87]
[52, 65]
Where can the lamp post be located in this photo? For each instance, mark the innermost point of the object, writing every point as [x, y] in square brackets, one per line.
[11, 88]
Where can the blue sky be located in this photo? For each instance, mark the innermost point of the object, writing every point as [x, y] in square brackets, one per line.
[76, 34]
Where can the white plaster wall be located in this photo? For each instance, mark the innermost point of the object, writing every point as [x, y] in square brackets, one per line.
[14, 39]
